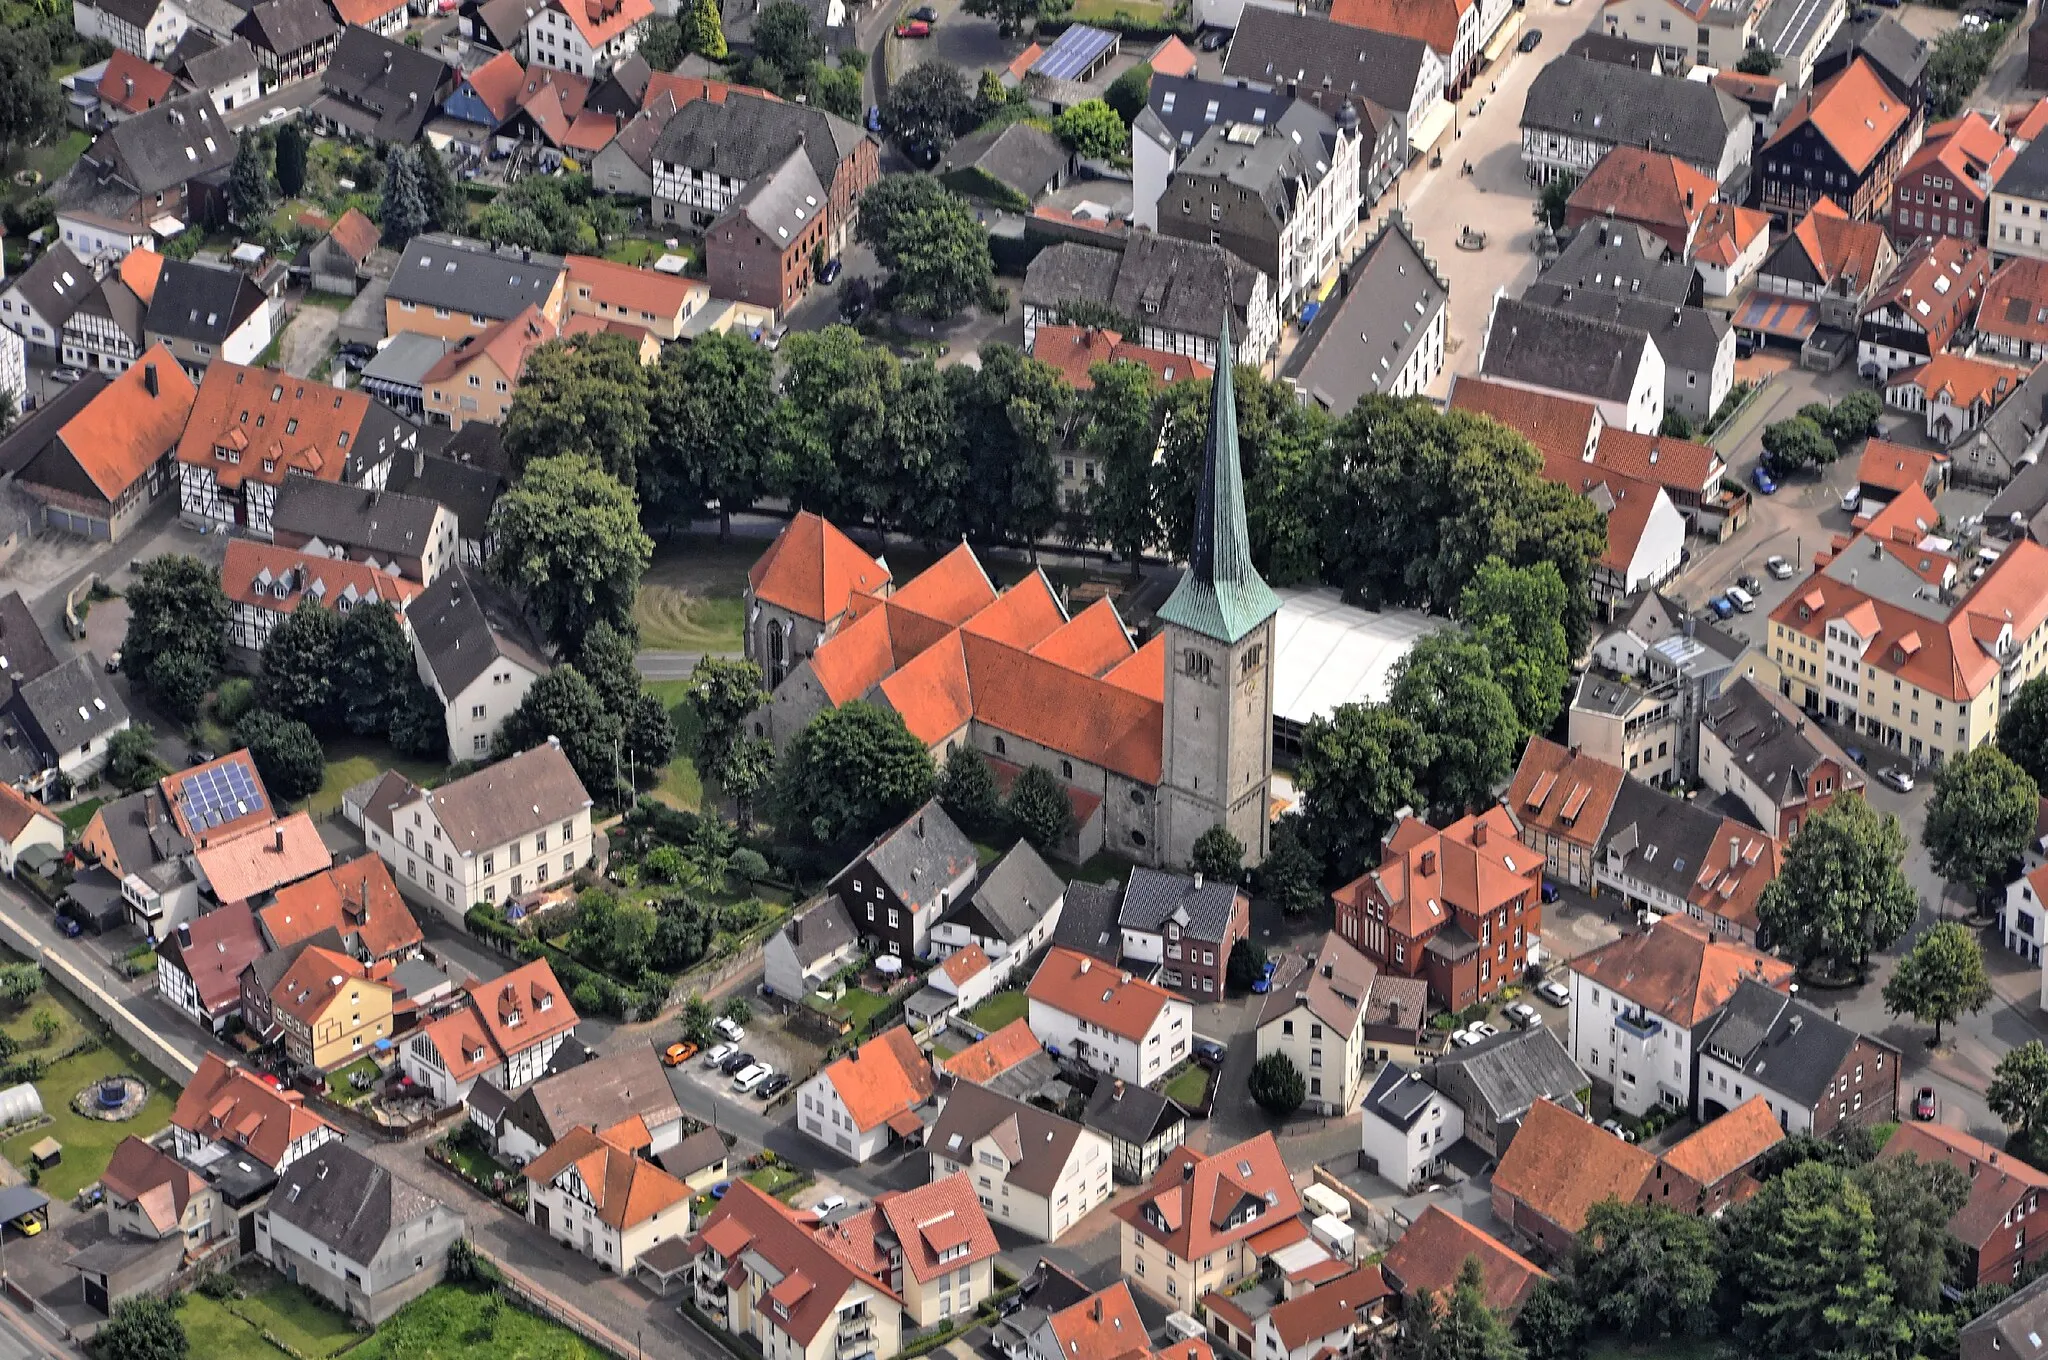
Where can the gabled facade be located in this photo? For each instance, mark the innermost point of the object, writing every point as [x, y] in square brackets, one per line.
[140, 171]
[478, 378]
[148, 28]
[477, 654]
[1110, 1022]
[1032, 1170]
[1204, 1223]
[1186, 926]
[1998, 1227]
[199, 964]
[896, 889]
[1945, 189]
[1756, 746]
[595, 1193]
[1009, 914]
[1931, 294]
[507, 1033]
[98, 457]
[1561, 795]
[1814, 1076]
[1846, 141]
[343, 1227]
[227, 1107]
[586, 37]
[331, 1010]
[868, 1099]
[1560, 1166]
[1315, 1014]
[265, 584]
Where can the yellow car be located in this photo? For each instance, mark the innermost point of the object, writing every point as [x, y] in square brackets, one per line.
[678, 1054]
[28, 1225]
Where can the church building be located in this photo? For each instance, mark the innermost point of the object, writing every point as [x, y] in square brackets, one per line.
[1154, 744]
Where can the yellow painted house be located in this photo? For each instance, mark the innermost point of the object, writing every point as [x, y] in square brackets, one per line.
[331, 1010]
[477, 379]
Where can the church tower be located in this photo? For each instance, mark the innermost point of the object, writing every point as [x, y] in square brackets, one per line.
[1218, 747]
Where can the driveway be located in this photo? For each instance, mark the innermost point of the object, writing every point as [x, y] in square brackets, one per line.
[308, 336]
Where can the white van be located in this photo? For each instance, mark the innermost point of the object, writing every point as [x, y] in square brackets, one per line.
[1741, 599]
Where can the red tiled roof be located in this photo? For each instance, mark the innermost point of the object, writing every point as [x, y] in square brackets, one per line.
[991, 1057]
[1172, 58]
[354, 232]
[599, 21]
[625, 1189]
[357, 898]
[1855, 112]
[886, 1076]
[1726, 231]
[1968, 148]
[497, 83]
[1726, 1145]
[1434, 1249]
[224, 942]
[1206, 1202]
[1476, 864]
[316, 976]
[1559, 427]
[506, 1015]
[132, 85]
[1839, 246]
[506, 344]
[812, 568]
[1895, 467]
[2015, 304]
[1936, 283]
[1104, 1324]
[1075, 350]
[307, 427]
[125, 430]
[180, 784]
[261, 858]
[226, 1103]
[1675, 969]
[1561, 1165]
[1120, 1003]
[1562, 791]
[251, 573]
[937, 1218]
[1998, 1181]
[18, 810]
[748, 1220]
[1433, 21]
[1328, 1309]
[1642, 186]
[1961, 380]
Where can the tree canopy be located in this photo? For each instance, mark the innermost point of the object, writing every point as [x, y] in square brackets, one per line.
[1445, 686]
[176, 644]
[853, 771]
[928, 239]
[1940, 979]
[1093, 129]
[568, 536]
[928, 105]
[1358, 767]
[588, 397]
[1841, 892]
[1981, 817]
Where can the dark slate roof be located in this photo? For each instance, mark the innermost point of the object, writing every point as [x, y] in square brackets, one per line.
[24, 651]
[2026, 496]
[1775, 751]
[346, 1202]
[487, 1101]
[1788, 1046]
[781, 202]
[2012, 427]
[118, 304]
[481, 443]
[1152, 898]
[1548, 347]
[819, 930]
[1368, 336]
[1128, 1113]
[701, 1149]
[470, 276]
[384, 522]
[389, 90]
[467, 490]
[1012, 895]
[622, 90]
[1398, 1096]
[1662, 840]
[2015, 1326]
[1615, 50]
[1088, 920]
[71, 705]
[285, 26]
[1038, 1146]
[1071, 272]
[1020, 157]
[1577, 97]
[505, 20]
[747, 136]
[145, 837]
[1281, 48]
[1179, 109]
[920, 854]
[136, 12]
[1279, 167]
[56, 284]
[36, 432]
[201, 302]
[1686, 337]
[1618, 258]
[463, 628]
[219, 65]
[2027, 176]
[1178, 285]
[1899, 57]
[1510, 1071]
[178, 140]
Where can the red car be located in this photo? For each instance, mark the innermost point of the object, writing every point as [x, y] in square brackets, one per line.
[1926, 1105]
[916, 28]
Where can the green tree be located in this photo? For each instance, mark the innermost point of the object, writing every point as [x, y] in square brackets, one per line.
[1445, 686]
[568, 537]
[1647, 1271]
[1358, 767]
[1552, 1324]
[289, 154]
[737, 1009]
[19, 982]
[783, 38]
[650, 738]
[725, 692]
[853, 771]
[374, 669]
[1093, 129]
[1940, 979]
[928, 106]
[697, 1017]
[2023, 729]
[250, 195]
[1855, 417]
[1009, 417]
[2018, 1093]
[967, 790]
[1554, 198]
[405, 212]
[930, 242]
[1793, 444]
[1244, 966]
[1841, 893]
[564, 705]
[1456, 1325]
[1038, 808]
[748, 773]
[142, 1328]
[1128, 92]
[286, 752]
[704, 30]
[176, 643]
[1016, 16]
[1981, 817]
[714, 420]
[1518, 614]
[587, 397]
[419, 726]
[1676, 426]
[835, 89]
[1911, 1202]
[1277, 1085]
[447, 205]
[840, 446]
[506, 224]
[31, 105]
[1290, 875]
[1218, 855]
[1804, 1266]
[1121, 437]
[132, 760]
[298, 664]
[612, 936]
[605, 656]
[1758, 61]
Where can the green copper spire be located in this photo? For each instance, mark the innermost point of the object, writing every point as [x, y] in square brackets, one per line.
[1221, 595]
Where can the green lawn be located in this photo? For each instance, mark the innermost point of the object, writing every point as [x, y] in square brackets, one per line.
[51, 158]
[675, 619]
[233, 1329]
[453, 1323]
[88, 1143]
[773, 1180]
[1095, 11]
[1000, 1010]
[76, 816]
[341, 1090]
[351, 760]
[680, 785]
[1188, 1087]
[640, 252]
[862, 1004]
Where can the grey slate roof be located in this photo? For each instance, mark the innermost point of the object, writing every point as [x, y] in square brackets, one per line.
[391, 90]
[219, 65]
[462, 275]
[819, 931]
[1279, 167]
[1617, 258]
[1616, 50]
[701, 1149]
[1368, 335]
[24, 651]
[178, 140]
[747, 136]
[147, 840]
[1561, 350]
[1510, 1071]
[1071, 272]
[1686, 337]
[1179, 109]
[1088, 920]
[1782, 1043]
[201, 302]
[1012, 895]
[463, 628]
[35, 434]
[2016, 1326]
[919, 856]
[1128, 1113]
[784, 201]
[286, 26]
[1398, 1096]
[1152, 898]
[136, 12]
[1037, 1143]
[1577, 97]
[1020, 157]
[1663, 840]
[600, 1093]
[2027, 176]
[405, 361]
[466, 490]
[1320, 57]
[2026, 496]
[347, 1202]
[622, 89]
[71, 705]
[384, 522]
[504, 21]
[56, 284]
[2018, 420]
[1157, 280]
[1899, 57]
[1777, 752]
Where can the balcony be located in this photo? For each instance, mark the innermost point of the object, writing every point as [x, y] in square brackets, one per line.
[1643, 1027]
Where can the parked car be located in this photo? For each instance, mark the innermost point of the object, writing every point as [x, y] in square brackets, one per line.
[1855, 753]
[1750, 584]
[1549, 892]
[829, 272]
[113, 662]
[874, 118]
[69, 925]
[1209, 1053]
[1465, 1038]
[1522, 1015]
[1213, 39]
[772, 1087]
[916, 28]
[717, 1056]
[828, 1204]
[1896, 778]
[1762, 480]
[1722, 606]
[1852, 499]
[199, 755]
[1484, 1030]
[1265, 982]
[737, 1061]
[65, 375]
[1926, 1104]
[1530, 39]
[675, 1055]
[925, 14]
[1614, 1127]
[271, 116]
[28, 1225]
[729, 1031]
[1555, 992]
[1743, 601]
[1778, 567]
[750, 1076]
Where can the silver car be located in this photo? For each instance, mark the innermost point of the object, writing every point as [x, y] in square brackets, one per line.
[1556, 993]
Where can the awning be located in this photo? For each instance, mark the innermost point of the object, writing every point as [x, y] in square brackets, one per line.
[1426, 132]
[906, 1125]
[1510, 29]
[166, 226]
[1787, 318]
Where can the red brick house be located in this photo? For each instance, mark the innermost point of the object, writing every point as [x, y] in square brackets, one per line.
[1707, 1170]
[762, 248]
[1457, 907]
[1998, 1225]
[1945, 189]
[1559, 1166]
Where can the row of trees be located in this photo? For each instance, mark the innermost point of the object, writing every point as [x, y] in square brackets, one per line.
[931, 105]
[1819, 432]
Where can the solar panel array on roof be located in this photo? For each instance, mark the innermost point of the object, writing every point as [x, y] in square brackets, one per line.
[1073, 52]
[217, 796]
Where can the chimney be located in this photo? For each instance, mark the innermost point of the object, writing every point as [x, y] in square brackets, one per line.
[149, 379]
[1734, 852]
[1688, 200]
[1329, 970]
[1198, 880]
[1428, 863]
[1117, 1091]
[1187, 1171]
[1085, 961]
[920, 826]
[1478, 834]
[1394, 1013]
[184, 934]
[277, 839]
